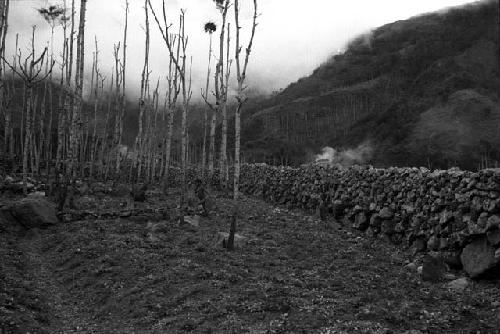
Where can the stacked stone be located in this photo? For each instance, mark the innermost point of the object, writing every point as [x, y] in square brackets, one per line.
[436, 211]
[15, 185]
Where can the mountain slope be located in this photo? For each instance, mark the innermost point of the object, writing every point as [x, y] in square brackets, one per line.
[391, 88]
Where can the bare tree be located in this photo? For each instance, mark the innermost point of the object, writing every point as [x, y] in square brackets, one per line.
[123, 86]
[171, 97]
[185, 83]
[97, 93]
[221, 87]
[54, 15]
[241, 99]
[104, 139]
[65, 96]
[31, 74]
[4, 98]
[77, 106]
[210, 28]
[4, 23]
[142, 102]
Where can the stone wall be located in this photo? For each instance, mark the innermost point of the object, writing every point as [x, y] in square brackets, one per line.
[454, 212]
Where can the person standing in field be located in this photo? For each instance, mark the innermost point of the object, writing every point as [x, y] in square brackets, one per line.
[201, 195]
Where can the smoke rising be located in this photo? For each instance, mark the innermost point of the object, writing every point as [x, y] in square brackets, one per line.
[352, 156]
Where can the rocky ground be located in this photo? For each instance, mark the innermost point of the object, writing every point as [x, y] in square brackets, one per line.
[138, 271]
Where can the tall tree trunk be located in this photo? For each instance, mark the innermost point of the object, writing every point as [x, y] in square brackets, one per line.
[172, 95]
[224, 89]
[205, 113]
[77, 107]
[123, 99]
[185, 102]
[4, 104]
[26, 144]
[105, 141]
[117, 108]
[142, 102]
[241, 76]
[48, 143]
[211, 152]
[220, 88]
[5, 97]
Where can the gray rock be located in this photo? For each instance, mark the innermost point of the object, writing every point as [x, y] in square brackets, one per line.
[82, 188]
[459, 285]
[444, 243]
[482, 221]
[433, 243]
[493, 222]
[450, 276]
[445, 217]
[375, 221]
[36, 194]
[357, 209]
[361, 222]
[494, 238]
[192, 220]
[433, 268]
[478, 257]
[494, 206]
[386, 213]
[418, 245]
[35, 212]
[388, 227]
[370, 232]
[408, 208]
[411, 266]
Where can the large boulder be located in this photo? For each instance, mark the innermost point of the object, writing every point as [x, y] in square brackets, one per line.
[478, 258]
[35, 212]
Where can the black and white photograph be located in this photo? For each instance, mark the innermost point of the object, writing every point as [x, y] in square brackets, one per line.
[249, 166]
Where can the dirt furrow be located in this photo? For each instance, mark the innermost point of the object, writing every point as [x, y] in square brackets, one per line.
[67, 314]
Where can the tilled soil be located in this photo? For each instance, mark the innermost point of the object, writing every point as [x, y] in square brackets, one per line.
[292, 274]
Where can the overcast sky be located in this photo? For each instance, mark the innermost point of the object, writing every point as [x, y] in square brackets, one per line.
[293, 36]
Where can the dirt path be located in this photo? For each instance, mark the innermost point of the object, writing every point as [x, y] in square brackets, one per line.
[67, 314]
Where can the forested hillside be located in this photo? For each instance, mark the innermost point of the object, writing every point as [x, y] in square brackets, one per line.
[423, 91]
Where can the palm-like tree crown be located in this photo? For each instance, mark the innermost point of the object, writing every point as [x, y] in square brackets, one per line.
[210, 27]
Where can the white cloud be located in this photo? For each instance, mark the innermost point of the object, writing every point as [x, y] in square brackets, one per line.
[293, 36]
